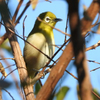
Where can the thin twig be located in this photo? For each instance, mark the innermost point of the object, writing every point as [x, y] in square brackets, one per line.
[35, 48]
[71, 74]
[54, 55]
[7, 58]
[66, 27]
[93, 46]
[10, 66]
[9, 94]
[11, 72]
[94, 69]
[96, 95]
[17, 10]
[57, 46]
[27, 5]
[13, 75]
[89, 61]
[87, 35]
[53, 27]
[93, 61]
[24, 29]
[57, 52]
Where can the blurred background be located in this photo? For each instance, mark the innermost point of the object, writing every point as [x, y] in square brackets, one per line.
[67, 85]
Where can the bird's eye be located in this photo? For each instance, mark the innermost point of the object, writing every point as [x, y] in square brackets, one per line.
[47, 19]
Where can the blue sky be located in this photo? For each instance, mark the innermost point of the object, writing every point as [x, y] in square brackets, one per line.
[60, 9]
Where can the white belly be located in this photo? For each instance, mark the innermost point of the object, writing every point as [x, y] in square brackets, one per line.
[33, 58]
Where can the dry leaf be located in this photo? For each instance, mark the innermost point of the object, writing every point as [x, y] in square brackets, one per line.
[84, 7]
[34, 3]
[2, 70]
[18, 0]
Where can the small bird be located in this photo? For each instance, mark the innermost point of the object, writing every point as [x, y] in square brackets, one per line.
[41, 37]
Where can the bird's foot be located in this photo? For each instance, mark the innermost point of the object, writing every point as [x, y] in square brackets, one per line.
[39, 75]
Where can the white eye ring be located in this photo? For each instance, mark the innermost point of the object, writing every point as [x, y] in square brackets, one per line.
[47, 19]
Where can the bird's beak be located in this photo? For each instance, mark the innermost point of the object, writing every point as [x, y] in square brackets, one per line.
[57, 19]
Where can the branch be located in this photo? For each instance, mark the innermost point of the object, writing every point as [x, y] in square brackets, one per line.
[9, 94]
[78, 41]
[17, 10]
[93, 46]
[16, 49]
[63, 62]
[27, 5]
[94, 69]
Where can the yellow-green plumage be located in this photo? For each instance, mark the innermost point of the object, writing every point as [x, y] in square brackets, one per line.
[41, 37]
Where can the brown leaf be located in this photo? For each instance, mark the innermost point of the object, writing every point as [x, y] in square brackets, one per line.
[34, 3]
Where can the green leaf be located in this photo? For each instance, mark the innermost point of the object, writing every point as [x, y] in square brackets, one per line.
[62, 93]
[37, 88]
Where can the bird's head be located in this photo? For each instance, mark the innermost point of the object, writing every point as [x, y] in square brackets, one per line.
[48, 21]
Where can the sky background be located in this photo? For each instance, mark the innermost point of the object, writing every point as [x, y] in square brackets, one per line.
[60, 9]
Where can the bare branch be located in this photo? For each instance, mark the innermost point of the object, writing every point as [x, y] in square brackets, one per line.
[57, 52]
[9, 94]
[71, 74]
[24, 28]
[66, 27]
[93, 61]
[93, 46]
[27, 5]
[17, 10]
[94, 69]
[7, 58]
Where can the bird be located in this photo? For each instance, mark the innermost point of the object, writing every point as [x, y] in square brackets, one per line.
[42, 37]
